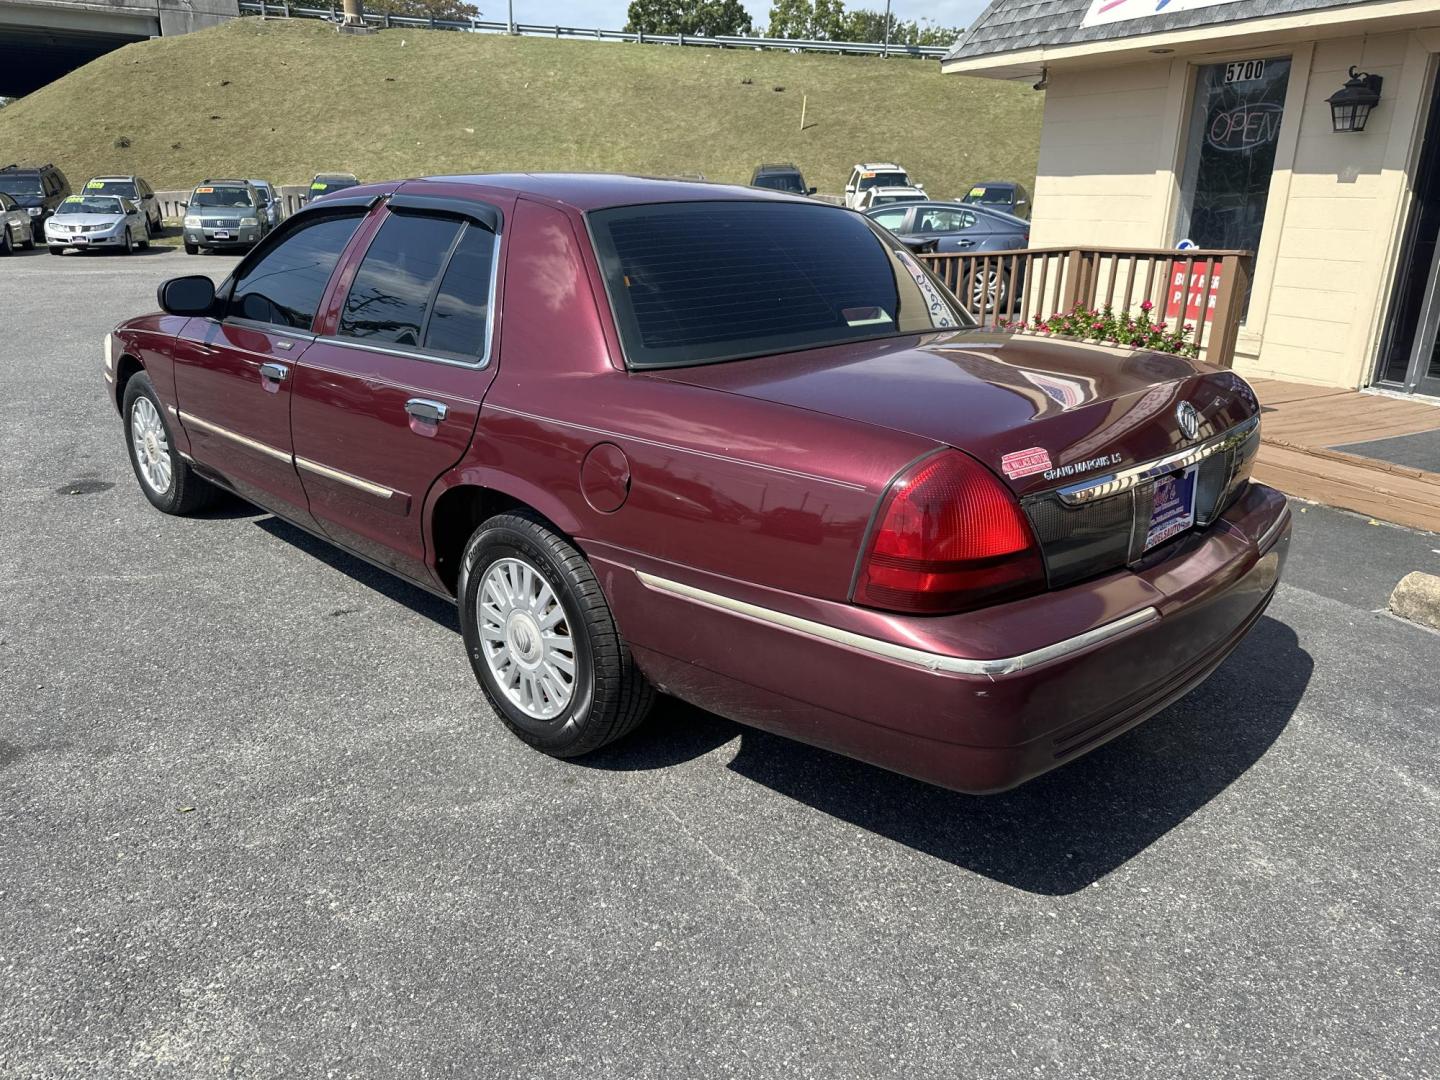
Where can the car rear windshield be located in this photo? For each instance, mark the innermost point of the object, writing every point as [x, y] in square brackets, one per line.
[221, 196]
[780, 182]
[113, 187]
[702, 282]
[883, 179]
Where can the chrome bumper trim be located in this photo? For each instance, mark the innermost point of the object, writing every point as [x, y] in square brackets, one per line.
[1267, 538]
[1116, 482]
[931, 661]
[339, 477]
[236, 437]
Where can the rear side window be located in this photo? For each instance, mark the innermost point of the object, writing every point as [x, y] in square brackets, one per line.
[701, 282]
[397, 278]
[284, 286]
[462, 306]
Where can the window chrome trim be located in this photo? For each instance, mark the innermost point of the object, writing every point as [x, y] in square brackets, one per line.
[931, 661]
[1113, 483]
[367, 486]
[400, 350]
[235, 436]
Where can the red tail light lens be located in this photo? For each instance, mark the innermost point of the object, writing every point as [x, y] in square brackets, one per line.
[949, 537]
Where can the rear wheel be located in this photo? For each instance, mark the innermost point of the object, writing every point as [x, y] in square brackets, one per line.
[542, 641]
[192, 249]
[166, 478]
[989, 291]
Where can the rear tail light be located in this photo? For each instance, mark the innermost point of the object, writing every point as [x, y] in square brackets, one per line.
[949, 537]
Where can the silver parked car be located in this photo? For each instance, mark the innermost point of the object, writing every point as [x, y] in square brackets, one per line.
[224, 214]
[96, 221]
[15, 228]
[269, 202]
[136, 190]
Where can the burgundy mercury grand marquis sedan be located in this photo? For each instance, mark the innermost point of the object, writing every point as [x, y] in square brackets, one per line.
[730, 445]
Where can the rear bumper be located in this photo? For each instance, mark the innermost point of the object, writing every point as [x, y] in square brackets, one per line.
[976, 702]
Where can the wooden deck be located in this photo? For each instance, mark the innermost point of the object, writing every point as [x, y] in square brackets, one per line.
[1302, 424]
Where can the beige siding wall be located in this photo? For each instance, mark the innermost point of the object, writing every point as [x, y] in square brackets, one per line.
[1102, 146]
[1112, 141]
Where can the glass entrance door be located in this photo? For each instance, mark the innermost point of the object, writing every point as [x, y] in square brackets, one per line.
[1410, 356]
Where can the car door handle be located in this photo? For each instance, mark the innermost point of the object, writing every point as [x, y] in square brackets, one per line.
[425, 409]
[275, 372]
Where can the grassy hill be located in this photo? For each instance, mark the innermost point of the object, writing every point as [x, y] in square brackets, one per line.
[283, 100]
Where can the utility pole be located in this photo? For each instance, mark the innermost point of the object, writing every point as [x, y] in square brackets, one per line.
[885, 50]
[354, 13]
[510, 18]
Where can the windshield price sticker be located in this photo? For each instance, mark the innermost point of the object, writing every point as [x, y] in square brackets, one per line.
[96, 184]
[204, 191]
[318, 187]
[1244, 71]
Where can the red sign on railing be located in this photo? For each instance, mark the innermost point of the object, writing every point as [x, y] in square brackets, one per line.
[1191, 293]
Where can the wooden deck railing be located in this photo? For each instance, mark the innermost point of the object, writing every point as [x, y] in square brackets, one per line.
[1205, 289]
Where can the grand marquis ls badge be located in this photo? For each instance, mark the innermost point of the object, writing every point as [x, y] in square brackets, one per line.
[1188, 419]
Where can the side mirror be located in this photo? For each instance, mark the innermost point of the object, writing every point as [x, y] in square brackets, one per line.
[1022, 202]
[811, 191]
[849, 187]
[191, 295]
[184, 205]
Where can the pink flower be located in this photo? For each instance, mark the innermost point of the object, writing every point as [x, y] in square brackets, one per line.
[1146, 305]
[1096, 325]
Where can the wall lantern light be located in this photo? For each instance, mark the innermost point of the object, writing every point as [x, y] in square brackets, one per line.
[1350, 105]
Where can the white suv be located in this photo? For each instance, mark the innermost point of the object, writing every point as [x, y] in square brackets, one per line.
[875, 174]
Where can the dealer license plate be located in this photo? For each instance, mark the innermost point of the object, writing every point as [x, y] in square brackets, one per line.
[221, 234]
[79, 239]
[1174, 510]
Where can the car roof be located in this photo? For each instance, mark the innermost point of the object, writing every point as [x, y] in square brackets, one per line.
[876, 166]
[114, 176]
[335, 176]
[224, 183]
[776, 167]
[258, 183]
[895, 189]
[591, 191]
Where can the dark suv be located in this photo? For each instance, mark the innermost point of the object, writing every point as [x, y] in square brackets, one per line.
[37, 189]
[781, 177]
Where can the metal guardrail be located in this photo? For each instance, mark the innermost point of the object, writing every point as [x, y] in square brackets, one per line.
[484, 26]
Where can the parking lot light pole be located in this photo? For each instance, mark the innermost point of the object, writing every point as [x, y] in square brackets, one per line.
[885, 48]
[354, 13]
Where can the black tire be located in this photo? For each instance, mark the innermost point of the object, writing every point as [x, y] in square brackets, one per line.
[192, 249]
[187, 492]
[129, 248]
[609, 695]
[7, 246]
[29, 245]
[152, 228]
[57, 251]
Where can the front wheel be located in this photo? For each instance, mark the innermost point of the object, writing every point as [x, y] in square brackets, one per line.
[192, 249]
[29, 244]
[542, 641]
[6, 246]
[166, 478]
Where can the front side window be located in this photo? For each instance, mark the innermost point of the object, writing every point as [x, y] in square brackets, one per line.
[1234, 126]
[703, 282]
[285, 285]
[391, 295]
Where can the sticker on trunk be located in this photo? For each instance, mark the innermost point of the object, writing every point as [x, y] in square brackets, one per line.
[1025, 462]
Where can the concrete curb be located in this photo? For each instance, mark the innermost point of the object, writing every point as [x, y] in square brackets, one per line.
[1417, 598]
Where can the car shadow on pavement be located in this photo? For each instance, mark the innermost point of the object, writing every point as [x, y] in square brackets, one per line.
[1065, 830]
[383, 582]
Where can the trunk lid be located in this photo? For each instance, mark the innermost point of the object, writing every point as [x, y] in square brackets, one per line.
[1040, 413]
[1047, 417]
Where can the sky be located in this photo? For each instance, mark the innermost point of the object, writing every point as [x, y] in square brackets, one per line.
[610, 14]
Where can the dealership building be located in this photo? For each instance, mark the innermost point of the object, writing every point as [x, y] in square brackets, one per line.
[1306, 131]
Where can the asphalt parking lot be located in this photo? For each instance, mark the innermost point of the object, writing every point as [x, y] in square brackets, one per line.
[256, 821]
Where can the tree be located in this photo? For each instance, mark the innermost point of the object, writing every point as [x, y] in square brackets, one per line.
[700, 18]
[456, 10]
[827, 20]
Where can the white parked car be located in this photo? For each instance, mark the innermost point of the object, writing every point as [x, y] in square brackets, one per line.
[96, 221]
[873, 174]
[269, 207]
[15, 227]
[870, 198]
[136, 190]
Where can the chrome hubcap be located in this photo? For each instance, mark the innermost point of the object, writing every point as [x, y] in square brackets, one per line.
[152, 448]
[525, 639]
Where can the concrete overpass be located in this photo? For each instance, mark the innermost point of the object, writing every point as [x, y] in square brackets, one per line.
[41, 40]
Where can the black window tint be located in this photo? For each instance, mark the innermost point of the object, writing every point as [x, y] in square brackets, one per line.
[284, 288]
[699, 282]
[397, 278]
[462, 306]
